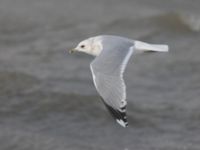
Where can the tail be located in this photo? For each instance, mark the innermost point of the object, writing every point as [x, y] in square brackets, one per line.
[145, 47]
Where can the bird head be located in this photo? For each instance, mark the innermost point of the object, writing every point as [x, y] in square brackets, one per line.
[90, 46]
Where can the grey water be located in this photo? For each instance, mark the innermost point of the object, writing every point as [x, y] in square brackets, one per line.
[47, 97]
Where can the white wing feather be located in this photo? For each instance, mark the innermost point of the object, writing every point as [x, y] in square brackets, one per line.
[142, 46]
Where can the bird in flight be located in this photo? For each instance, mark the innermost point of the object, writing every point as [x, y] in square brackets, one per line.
[111, 57]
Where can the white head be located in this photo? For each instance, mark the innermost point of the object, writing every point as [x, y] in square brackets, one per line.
[91, 46]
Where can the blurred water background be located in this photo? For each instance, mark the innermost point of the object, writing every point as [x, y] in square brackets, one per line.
[47, 97]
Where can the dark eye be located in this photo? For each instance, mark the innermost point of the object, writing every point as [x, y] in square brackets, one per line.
[82, 46]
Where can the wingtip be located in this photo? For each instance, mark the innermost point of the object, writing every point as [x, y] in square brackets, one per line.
[118, 115]
[122, 123]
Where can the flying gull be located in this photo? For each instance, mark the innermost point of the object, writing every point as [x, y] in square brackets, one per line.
[112, 54]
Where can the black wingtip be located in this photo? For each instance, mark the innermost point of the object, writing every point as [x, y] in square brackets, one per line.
[119, 116]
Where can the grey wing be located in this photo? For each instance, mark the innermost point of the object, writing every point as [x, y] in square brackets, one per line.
[107, 70]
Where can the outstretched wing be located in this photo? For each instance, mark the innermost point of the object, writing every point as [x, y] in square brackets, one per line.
[107, 71]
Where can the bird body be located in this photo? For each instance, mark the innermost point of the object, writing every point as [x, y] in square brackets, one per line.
[112, 54]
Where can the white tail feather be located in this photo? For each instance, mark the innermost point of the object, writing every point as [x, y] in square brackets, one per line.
[142, 46]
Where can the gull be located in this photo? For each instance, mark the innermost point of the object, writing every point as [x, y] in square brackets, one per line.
[112, 54]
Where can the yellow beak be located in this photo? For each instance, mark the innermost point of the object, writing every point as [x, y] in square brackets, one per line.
[72, 51]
